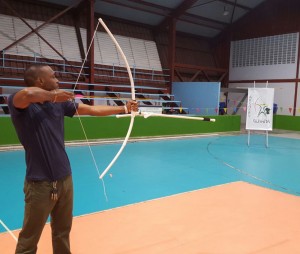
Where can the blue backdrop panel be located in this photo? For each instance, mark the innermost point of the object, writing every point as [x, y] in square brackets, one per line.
[202, 98]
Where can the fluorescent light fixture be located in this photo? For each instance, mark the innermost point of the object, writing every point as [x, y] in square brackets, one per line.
[225, 12]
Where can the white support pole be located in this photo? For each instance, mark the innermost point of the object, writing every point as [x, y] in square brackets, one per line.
[267, 133]
[249, 133]
[248, 138]
[267, 139]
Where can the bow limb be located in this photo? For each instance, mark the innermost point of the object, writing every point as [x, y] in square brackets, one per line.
[132, 97]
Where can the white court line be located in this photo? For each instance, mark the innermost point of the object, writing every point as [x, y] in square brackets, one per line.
[118, 140]
[9, 231]
[159, 198]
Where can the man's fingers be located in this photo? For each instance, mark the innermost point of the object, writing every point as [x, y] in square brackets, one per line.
[64, 95]
[132, 106]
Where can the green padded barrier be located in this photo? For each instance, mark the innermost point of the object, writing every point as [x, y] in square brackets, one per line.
[112, 127]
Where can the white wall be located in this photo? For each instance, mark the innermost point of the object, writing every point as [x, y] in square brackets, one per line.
[272, 57]
[265, 58]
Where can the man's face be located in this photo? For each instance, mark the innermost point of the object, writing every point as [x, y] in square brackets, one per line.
[47, 78]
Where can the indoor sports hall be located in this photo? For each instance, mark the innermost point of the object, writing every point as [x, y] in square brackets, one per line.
[209, 164]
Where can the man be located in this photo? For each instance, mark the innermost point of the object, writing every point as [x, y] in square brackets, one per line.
[38, 114]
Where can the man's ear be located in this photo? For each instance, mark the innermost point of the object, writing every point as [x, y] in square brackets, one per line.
[40, 82]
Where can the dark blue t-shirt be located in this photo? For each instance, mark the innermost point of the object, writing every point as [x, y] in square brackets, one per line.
[40, 128]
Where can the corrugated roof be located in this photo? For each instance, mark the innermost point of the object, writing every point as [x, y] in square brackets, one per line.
[206, 18]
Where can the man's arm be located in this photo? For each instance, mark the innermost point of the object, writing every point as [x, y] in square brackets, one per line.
[102, 110]
[29, 95]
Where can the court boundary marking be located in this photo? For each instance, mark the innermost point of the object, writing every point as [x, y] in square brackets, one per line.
[251, 176]
[145, 201]
[17, 147]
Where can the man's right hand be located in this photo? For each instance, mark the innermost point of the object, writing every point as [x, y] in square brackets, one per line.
[61, 95]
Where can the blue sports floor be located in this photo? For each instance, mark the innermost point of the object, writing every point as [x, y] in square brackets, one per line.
[152, 169]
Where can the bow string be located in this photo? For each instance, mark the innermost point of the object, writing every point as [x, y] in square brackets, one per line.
[132, 97]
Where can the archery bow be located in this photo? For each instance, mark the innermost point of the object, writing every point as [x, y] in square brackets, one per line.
[132, 97]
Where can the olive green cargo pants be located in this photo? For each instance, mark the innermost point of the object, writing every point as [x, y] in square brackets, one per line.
[38, 207]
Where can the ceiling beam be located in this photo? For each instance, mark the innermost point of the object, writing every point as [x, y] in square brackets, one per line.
[227, 31]
[140, 7]
[161, 7]
[202, 21]
[199, 67]
[231, 19]
[235, 4]
[178, 12]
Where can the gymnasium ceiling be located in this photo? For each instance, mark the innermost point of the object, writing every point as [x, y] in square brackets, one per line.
[205, 18]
